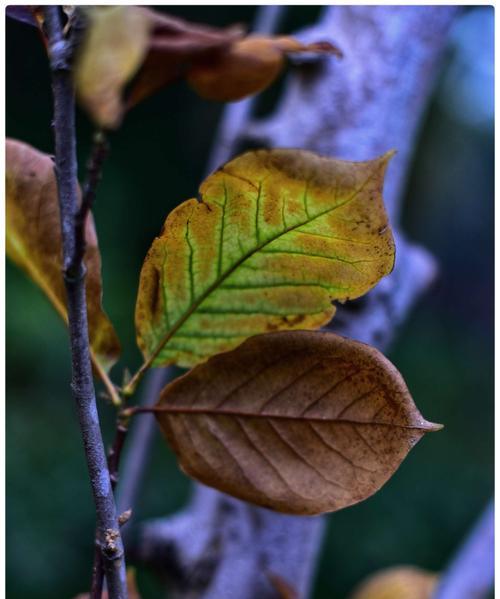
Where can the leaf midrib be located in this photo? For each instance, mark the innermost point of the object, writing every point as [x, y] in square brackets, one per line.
[196, 304]
[175, 410]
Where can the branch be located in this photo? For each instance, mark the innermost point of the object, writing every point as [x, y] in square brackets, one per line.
[82, 384]
[471, 572]
[356, 109]
[98, 154]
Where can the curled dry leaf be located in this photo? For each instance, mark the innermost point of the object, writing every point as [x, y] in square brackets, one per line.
[277, 235]
[129, 52]
[249, 66]
[400, 582]
[125, 43]
[33, 241]
[174, 45]
[300, 422]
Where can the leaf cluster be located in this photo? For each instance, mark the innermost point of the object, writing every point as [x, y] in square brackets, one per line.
[237, 282]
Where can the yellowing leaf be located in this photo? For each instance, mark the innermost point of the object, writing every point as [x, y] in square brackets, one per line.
[34, 243]
[114, 46]
[277, 237]
[300, 422]
[249, 66]
[400, 582]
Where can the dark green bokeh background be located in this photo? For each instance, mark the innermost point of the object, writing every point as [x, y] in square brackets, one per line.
[445, 350]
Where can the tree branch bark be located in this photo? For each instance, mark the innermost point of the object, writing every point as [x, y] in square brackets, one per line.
[355, 109]
[82, 384]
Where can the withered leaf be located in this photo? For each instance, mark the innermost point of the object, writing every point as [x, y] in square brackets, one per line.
[249, 66]
[278, 235]
[399, 582]
[129, 52]
[300, 422]
[125, 43]
[174, 45]
[33, 241]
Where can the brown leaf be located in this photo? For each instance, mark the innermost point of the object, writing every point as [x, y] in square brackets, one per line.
[34, 243]
[301, 422]
[249, 66]
[129, 52]
[174, 45]
[124, 41]
[399, 582]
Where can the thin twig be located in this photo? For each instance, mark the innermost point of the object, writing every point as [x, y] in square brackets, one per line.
[116, 450]
[98, 154]
[471, 572]
[82, 385]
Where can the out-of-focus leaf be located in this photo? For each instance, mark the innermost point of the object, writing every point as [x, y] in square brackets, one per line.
[300, 422]
[276, 237]
[400, 582]
[34, 243]
[124, 41]
[174, 45]
[114, 46]
[129, 52]
[249, 66]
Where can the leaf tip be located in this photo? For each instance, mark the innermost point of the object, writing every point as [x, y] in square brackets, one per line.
[431, 427]
[388, 155]
[434, 427]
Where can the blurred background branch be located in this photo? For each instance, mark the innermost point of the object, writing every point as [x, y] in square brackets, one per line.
[471, 572]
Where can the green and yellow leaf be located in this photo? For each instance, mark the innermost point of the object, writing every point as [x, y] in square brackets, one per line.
[275, 237]
[303, 422]
[33, 242]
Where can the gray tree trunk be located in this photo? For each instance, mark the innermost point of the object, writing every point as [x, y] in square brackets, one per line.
[356, 108]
